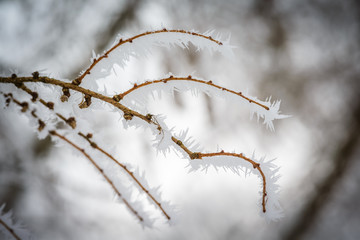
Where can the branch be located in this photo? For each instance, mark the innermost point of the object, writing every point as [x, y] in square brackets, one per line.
[10, 230]
[199, 155]
[54, 133]
[78, 80]
[131, 174]
[128, 113]
[189, 79]
[25, 107]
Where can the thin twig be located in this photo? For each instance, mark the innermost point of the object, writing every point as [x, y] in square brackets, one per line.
[85, 91]
[96, 146]
[199, 155]
[10, 230]
[54, 133]
[190, 79]
[78, 80]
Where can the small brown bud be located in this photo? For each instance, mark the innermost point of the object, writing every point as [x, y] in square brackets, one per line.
[35, 75]
[117, 98]
[64, 98]
[94, 145]
[50, 105]
[76, 82]
[85, 103]
[34, 96]
[89, 135]
[256, 165]
[149, 116]
[13, 76]
[41, 125]
[25, 106]
[71, 122]
[189, 77]
[33, 113]
[178, 142]
[128, 116]
[195, 155]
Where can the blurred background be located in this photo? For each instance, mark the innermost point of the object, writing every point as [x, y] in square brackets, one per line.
[305, 53]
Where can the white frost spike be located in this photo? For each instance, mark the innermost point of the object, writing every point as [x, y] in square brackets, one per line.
[141, 47]
[17, 227]
[236, 165]
[268, 115]
[155, 192]
[138, 99]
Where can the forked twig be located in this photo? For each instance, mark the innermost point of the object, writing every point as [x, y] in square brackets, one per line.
[25, 107]
[131, 174]
[54, 133]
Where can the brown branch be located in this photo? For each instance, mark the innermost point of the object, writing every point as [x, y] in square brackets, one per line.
[190, 79]
[10, 230]
[127, 112]
[78, 80]
[54, 133]
[199, 155]
[96, 146]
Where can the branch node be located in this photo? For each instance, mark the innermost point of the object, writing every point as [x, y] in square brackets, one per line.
[50, 105]
[66, 94]
[71, 122]
[35, 75]
[41, 125]
[149, 117]
[25, 106]
[76, 82]
[117, 98]
[86, 102]
[128, 116]
[195, 155]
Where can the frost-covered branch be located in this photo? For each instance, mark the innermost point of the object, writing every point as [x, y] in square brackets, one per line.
[121, 41]
[130, 173]
[128, 205]
[79, 97]
[200, 155]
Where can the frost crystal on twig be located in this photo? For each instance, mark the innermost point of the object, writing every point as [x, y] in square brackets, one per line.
[63, 109]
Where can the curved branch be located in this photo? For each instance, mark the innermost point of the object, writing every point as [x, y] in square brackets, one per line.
[78, 80]
[190, 79]
[199, 155]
